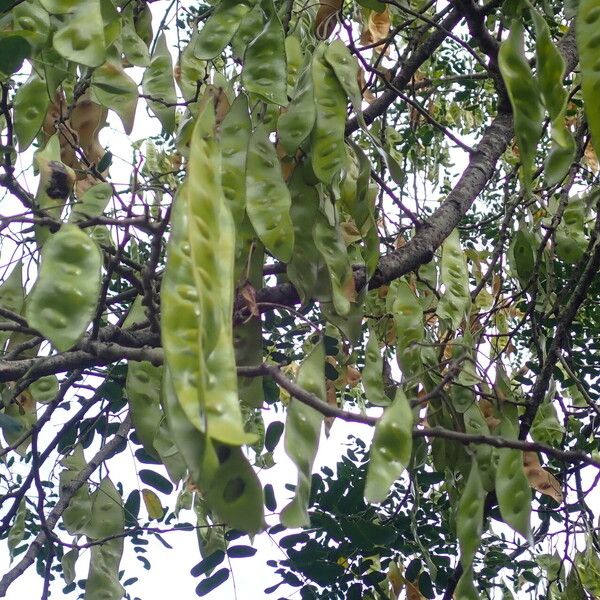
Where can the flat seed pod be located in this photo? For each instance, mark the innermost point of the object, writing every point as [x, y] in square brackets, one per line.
[64, 298]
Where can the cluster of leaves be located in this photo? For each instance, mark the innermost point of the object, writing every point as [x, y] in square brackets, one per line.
[277, 247]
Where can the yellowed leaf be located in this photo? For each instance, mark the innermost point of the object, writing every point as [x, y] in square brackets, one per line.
[540, 479]
[153, 504]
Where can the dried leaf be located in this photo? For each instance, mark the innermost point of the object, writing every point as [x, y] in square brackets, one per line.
[590, 158]
[326, 19]
[539, 479]
[367, 94]
[153, 504]
[332, 401]
[378, 28]
[352, 376]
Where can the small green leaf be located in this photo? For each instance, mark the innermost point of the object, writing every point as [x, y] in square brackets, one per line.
[272, 435]
[156, 480]
[241, 551]
[14, 49]
[213, 582]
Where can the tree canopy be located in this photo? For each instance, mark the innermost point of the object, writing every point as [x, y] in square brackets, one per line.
[227, 226]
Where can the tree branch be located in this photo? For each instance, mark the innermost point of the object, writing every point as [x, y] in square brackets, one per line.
[68, 491]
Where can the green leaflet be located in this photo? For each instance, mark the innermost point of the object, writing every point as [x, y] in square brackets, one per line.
[235, 136]
[107, 519]
[328, 148]
[524, 97]
[12, 297]
[268, 198]
[513, 491]
[469, 517]
[330, 244]
[81, 39]
[158, 83]
[64, 298]
[391, 448]
[114, 89]
[264, 72]
[30, 104]
[455, 303]
[220, 28]
[550, 76]
[302, 432]
[588, 43]
[295, 125]
[372, 374]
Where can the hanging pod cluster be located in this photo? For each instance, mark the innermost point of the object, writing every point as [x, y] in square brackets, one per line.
[200, 388]
[531, 95]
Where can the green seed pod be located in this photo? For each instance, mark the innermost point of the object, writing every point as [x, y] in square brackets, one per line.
[64, 298]
[265, 71]
[302, 432]
[524, 96]
[328, 148]
[469, 517]
[268, 198]
[391, 448]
